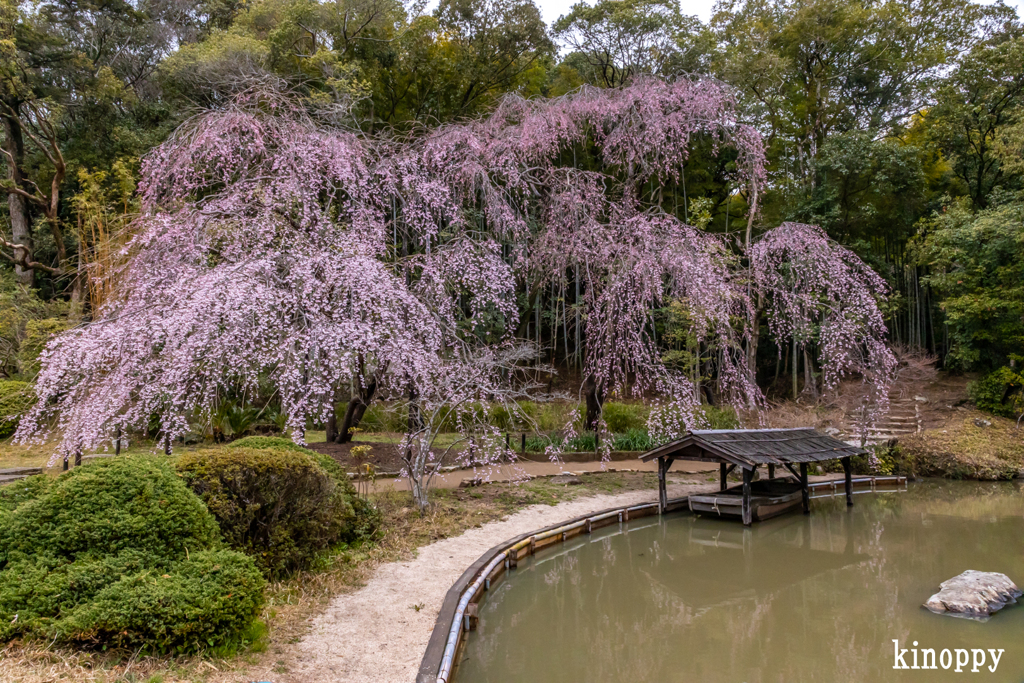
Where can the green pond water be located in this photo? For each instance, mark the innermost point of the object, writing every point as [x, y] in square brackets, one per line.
[816, 597]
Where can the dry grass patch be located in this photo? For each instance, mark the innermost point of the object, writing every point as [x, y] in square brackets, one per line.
[965, 448]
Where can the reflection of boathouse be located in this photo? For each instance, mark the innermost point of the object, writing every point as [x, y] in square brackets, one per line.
[748, 449]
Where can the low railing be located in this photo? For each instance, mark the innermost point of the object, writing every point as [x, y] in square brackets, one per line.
[443, 648]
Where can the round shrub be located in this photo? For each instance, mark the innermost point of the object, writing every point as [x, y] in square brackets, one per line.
[128, 503]
[15, 400]
[367, 518]
[120, 553]
[278, 505]
[1000, 392]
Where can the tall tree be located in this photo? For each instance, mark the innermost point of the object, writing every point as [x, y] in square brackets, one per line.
[612, 41]
[71, 75]
[975, 107]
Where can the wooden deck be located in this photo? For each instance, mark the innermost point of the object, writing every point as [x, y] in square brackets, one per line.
[767, 499]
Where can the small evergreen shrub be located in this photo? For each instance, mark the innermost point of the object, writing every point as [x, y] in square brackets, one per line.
[16, 493]
[15, 400]
[622, 417]
[632, 440]
[279, 505]
[367, 517]
[120, 553]
[117, 504]
[263, 442]
[212, 593]
[1000, 392]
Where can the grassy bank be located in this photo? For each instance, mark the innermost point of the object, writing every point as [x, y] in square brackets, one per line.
[971, 445]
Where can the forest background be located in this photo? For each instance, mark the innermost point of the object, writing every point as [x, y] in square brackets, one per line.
[896, 126]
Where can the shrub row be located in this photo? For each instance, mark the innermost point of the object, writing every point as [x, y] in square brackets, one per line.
[546, 417]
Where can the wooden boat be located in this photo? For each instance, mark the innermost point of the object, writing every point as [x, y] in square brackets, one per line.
[768, 498]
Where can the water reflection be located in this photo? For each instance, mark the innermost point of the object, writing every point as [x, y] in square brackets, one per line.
[798, 598]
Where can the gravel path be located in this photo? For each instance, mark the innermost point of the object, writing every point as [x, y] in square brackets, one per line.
[376, 635]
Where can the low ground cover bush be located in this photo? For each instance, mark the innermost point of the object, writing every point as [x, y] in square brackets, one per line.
[278, 502]
[1000, 392]
[120, 553]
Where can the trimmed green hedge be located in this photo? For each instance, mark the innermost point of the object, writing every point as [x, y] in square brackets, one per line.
[280, 503]
[120, 553]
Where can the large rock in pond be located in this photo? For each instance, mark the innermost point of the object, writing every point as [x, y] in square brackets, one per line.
[974, 594]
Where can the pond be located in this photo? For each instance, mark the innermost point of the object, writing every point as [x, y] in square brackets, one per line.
[817, 597]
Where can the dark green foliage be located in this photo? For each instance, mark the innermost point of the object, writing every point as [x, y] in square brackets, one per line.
[120, 553]
[279, 505]
[632, 440]
[119, 504]
[621, 417]
[582, 443]
[15, 398]
[13, 495]
[367, 517]
[212, 593]
[977, 262]
[1000, 392]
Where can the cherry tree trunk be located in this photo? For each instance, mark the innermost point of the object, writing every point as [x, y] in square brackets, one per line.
[332, 423]
[594, 398]
[357, 406]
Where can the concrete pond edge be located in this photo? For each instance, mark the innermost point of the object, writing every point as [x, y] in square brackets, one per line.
[458, 613]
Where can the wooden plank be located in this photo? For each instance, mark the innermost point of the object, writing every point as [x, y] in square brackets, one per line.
[663, 465]
[803, 488]
[848, 480]
[748, 475]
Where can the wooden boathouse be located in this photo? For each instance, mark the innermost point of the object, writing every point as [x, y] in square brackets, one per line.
[748, 449]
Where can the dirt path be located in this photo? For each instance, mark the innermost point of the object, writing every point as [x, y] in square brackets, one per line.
[451, 480]
[378, 634]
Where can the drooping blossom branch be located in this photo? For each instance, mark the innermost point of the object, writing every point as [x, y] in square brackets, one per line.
[815, 290]
[260, 257]
[278, 248]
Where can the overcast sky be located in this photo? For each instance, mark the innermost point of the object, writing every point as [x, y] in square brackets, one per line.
[552, 9]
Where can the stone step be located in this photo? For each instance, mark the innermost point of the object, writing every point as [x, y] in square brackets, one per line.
[10, 478]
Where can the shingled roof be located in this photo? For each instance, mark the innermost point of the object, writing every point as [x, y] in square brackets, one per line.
[750, 447]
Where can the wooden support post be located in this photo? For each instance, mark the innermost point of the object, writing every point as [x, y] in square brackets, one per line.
[848, 471]
[748, 514]
[803, 488]
[117, 446]
[771, 471]
[66, 456]
[724, 473]
[523, 449]
[663, 465]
